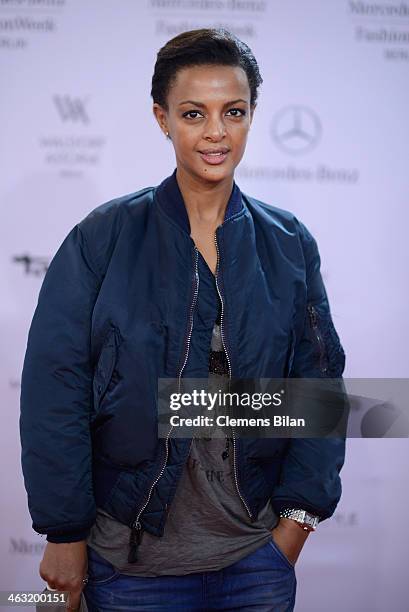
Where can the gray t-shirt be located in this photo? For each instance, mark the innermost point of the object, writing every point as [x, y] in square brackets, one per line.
[207, 527]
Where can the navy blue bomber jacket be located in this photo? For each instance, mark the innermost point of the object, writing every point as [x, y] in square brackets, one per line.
[116, 311]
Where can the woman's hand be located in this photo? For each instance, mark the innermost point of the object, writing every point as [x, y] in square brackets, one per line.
[63, 567]
[289, 538]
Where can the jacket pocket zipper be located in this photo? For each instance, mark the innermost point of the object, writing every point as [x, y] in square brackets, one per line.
[291, 354]
[104, 371]
[313, 315]
[136, 529]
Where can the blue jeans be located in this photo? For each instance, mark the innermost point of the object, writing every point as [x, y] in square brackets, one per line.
[264, 581]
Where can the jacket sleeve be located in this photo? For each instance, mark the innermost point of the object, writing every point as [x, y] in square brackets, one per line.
[56, 395]
[310, 477]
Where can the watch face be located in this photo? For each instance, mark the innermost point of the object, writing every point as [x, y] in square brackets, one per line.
[311, 520]
[307, 521]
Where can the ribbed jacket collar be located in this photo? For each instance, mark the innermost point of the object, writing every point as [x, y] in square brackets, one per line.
[171, 201]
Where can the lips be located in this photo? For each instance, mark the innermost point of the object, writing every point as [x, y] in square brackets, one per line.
[215, 151]
[214, 156]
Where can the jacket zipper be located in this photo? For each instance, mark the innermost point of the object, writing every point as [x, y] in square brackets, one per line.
[228, 361]
[136, 529]
[321, 344]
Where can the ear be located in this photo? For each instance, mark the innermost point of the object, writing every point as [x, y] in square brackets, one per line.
[161, 117]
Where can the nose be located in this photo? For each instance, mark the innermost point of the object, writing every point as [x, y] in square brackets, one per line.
[215, 129]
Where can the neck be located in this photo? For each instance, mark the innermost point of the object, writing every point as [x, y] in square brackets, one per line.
[205, 201]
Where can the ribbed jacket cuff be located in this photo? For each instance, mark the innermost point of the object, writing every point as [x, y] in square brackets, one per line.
[76, 536]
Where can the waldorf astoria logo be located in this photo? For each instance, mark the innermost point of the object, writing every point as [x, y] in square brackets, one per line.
[71, 109]
[72, 149]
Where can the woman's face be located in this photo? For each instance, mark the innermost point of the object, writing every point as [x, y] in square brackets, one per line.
[208, 108]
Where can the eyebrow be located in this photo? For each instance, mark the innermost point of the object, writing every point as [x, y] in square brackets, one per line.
[204, 105]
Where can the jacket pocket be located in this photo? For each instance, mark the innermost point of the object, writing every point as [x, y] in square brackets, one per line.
[328, 352]
[104, 375]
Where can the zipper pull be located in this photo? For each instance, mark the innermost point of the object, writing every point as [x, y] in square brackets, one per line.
[313, 315]
[225, 453]
[134, 541]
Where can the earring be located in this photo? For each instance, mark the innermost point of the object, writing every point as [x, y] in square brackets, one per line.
[167, 135]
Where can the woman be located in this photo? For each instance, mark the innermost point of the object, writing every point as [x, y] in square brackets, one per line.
[192, 278]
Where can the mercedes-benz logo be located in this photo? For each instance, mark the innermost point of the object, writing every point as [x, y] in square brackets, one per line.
[296, 129]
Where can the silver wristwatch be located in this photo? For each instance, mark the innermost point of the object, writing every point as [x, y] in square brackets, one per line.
[306, 520]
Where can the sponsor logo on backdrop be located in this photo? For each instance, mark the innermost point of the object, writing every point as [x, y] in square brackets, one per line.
[35, 4]
[71, 109]
[32, 265]
[346, 519]
[171, 17]
[21, 546]
[23, 22]
[72, 153]
[297, 131]
[383, 25]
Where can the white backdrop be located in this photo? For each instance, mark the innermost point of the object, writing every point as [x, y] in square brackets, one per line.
[329, 141]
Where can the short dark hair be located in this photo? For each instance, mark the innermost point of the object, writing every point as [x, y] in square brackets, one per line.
[200, 47]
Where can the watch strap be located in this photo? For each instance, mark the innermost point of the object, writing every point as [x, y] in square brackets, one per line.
[306, 520]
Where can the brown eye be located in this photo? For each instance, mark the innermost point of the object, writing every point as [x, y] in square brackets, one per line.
[243, 112]
[190, 113]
